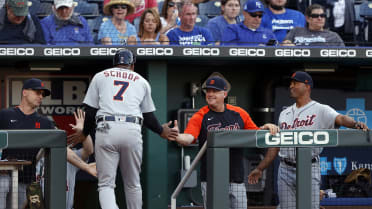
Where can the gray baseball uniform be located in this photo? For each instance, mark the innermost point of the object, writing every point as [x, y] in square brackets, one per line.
[311, 116]
[121, 96]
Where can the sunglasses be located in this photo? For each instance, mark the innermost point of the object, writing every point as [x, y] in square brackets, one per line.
[117, 6]
[171, 4]
[318, 15]
[256, 15]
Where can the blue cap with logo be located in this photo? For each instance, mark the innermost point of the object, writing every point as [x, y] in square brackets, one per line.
[35, 84]
[216, 82]
[303, 77]
[252, 6]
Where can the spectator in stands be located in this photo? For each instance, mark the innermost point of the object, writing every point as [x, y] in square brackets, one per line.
[116, 30]
[17, 26]
[65, 26]
[188, 33]
[169, 16]
[342, 19]
[230, 10]
[314, 34]
[149, 30]
[280, 19]
[249, 32]
[140, 6]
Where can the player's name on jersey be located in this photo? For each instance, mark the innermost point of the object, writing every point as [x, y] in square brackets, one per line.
[297, 138]
[176, 51]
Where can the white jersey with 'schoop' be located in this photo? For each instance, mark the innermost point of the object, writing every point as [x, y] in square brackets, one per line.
[118, 91]
[311, 116]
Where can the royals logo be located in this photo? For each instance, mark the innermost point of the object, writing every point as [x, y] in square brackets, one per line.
[339, 164]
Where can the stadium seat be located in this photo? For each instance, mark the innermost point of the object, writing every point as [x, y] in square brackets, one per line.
[42, 9]
[88, 10]
[94, 25]
[201, 20]
[365, 12]
[210, 9]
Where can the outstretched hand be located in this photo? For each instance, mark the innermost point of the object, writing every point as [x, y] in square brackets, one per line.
[78, 136]
[168, 132]
[254, 176]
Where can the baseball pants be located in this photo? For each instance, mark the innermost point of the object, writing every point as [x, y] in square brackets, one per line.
[5, 192]
[119, 144]
[287, 186]
[237, 195]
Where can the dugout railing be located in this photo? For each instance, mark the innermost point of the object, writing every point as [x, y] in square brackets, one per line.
[54, 143]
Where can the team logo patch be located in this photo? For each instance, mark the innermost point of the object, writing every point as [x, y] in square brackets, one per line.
[293, 75]
[37, 125]
[42, 84]
[339, 164]
[212, 82]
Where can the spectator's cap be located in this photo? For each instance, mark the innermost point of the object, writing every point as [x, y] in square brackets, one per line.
[19, 7]
[35, 84]
[108, 3]
[252, 6]
[303, 77]
[216, 83]
[64, 3]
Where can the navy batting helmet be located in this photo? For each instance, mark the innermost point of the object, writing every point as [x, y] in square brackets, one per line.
[124, 57]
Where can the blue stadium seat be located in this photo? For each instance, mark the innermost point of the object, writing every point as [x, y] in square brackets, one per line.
[94, 25]
[42, 9]
[50, 1]
[88, 10]
[210, 8]
[201, 20]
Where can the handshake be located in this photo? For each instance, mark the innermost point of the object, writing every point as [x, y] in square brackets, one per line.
[170, 133]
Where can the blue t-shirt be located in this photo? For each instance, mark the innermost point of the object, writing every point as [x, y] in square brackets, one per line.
[109, 30]
[68, 34]
[239, 34]
[198, 36]
[280, 24]
[217, 25]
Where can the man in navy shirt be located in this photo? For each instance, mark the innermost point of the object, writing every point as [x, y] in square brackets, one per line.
[189, 34]
[249, 32]
[280, 19]
[23, 116]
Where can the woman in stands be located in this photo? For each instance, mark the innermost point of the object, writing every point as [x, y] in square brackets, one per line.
[169, 15]
[116, 30]
[149, 30]
[230, 10]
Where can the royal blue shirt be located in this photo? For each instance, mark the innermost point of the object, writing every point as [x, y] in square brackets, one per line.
[217, 25]
[280, 24]
[198, 36]
[239, 34]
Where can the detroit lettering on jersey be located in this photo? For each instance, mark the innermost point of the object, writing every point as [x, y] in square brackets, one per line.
[308, 40]
[191, 40]
[217, 127]
[120, 74]
[299, 123]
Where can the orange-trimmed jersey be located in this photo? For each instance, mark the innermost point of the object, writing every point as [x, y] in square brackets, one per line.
[233, 118]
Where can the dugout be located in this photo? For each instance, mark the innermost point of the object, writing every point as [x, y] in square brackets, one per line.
[254, 74]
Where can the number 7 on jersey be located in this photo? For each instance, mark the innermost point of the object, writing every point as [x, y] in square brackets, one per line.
[124, 85]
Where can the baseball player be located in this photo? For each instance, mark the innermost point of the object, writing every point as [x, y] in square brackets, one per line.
[120, 99]
[23, 116]
[304, 114]
[220, 116]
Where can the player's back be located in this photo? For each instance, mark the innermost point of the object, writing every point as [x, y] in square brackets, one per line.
[121, 92]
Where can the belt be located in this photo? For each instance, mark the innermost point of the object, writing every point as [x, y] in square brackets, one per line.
[293, 164]
[128, 118]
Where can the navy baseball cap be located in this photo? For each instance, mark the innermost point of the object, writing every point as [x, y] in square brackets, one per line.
[253, 6]
[216, 83]
[35, 84]
[303, 77]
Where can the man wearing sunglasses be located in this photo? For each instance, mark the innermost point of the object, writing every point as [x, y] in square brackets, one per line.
[249, 32]
[314, 34]
[280, 19]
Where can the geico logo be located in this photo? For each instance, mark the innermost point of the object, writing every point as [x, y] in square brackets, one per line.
[17, 51]
[292, 52]
[338, 53]
[247, 52]
[201, 51]
[62, 51]
[368, 53]
[154, 51]
[103, 51]
[298, 138]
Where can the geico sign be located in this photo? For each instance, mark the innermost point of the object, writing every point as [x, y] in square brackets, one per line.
[201, 51]
[338, 53]
[61, 51]
[154, 51]
[247, 52]
[298, 138]
[292, 52]
[17, 51]
[103, 51]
